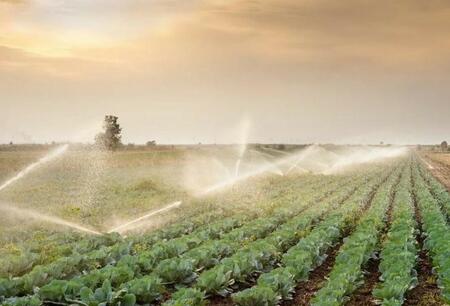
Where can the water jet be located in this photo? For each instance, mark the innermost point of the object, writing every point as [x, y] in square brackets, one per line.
[50, 156]
[29, 214]
[128, 225]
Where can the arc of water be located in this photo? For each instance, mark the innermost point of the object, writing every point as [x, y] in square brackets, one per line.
[268, 160]
[263, 169]
[30, 214]
[237, 167]
[275, 150]
[427, 163]
[124, 227]
[50, 156]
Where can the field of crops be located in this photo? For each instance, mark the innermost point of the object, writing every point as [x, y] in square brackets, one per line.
[375, 234]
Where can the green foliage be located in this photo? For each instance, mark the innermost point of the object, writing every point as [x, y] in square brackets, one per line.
[147, 289]
[399, 253]
[347, 275]
[22, 301]
[216, 281]
[439, 192]
[279, 283]
[177, 270]
[214, 258]
[257, 296]
[280, 280]
[187, 297]
[437, 240]
[105, 296]
[58, 290]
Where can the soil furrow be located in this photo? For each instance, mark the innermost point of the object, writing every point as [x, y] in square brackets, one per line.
[426, 292]
[305, 290]
[363, 295]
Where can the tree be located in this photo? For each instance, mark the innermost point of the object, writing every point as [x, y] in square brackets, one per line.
[444, 145]
[110, 139]
[151, 143]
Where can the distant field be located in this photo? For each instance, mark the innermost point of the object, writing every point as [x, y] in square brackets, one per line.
[372, 232]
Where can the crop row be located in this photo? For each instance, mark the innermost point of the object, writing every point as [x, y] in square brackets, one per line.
[399, 252]
[159, 251]
[275, 283]
[73, 265]
[347, 273]
[18, 258]
[438, 190]
[310, 252]
[171, 269]
[44, 250]
[170, 240]
[248, 262]
[436, 231]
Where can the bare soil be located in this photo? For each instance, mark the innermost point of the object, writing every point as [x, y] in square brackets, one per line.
[221, 301]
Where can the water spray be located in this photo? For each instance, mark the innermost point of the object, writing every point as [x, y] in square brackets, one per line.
[428, 164]
[271, 167]
[362, 155]
[126, 226]
[266, 158]
[242, 145]
[29, 214]
[50, 156]
[315, 159]
[275, 151]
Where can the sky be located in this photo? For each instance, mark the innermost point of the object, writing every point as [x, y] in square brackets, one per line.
[189, 71]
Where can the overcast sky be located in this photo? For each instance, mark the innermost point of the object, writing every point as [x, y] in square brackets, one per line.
[186, 71]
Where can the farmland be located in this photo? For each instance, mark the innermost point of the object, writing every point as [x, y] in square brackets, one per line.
[371, 233]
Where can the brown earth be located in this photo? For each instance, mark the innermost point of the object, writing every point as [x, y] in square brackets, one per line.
[221, 301]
